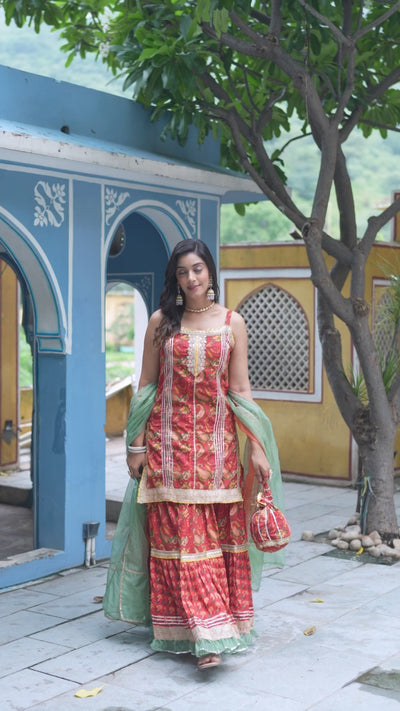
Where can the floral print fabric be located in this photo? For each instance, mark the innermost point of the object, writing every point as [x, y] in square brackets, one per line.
[199, 575]
[192, 448]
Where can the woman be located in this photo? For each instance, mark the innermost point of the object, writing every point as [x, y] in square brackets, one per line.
[187, 456]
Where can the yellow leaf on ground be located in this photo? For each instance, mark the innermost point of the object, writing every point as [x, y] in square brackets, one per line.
[84, 693]
[316, 599]
[309, 631]
[360, 550]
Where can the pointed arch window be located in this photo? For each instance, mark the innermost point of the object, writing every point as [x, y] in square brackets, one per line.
[278, 341]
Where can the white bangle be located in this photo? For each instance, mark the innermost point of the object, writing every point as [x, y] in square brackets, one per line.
[137, 450]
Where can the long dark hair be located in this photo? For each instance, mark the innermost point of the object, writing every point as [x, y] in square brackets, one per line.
[172, 314]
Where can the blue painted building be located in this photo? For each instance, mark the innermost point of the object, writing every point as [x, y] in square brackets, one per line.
[89, 195]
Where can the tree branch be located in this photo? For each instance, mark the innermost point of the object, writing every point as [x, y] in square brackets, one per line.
[346, 96]
[345, 201]
[326, 173]
[320, 275]
[232, 117]
[265, 113]
[392, 78]
[260, 16]
[357, 287]
[375, 223]
[383, 126]
[267, 47]
[394, 395]
[348, 403]
[324, 21]
[276, 18]
[369, 363]
[377, 22]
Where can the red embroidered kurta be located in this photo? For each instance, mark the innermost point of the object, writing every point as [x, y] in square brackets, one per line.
[192, 449]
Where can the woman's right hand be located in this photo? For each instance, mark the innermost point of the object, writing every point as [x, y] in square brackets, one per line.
[136, 463]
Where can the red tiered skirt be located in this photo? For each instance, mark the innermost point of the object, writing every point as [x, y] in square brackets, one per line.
[200, 580]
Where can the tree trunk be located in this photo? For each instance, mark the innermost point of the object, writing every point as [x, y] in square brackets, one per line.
[378, 511]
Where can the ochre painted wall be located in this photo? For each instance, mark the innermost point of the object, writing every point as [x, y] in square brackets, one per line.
[312, 438]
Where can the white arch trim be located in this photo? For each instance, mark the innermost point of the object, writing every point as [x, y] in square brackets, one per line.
[171, 226]
[50, 316]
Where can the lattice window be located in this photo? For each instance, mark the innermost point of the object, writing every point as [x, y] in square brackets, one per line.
[278, 341]
[383, 326]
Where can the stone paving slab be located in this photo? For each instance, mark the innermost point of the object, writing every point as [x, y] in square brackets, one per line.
[275, 590]
[27, 688]
[376, 635]
[25, 623]
[82, 631]
[303, 671]
[359, 696]
[72, 581]
[378, 579]
[325, 602]
[387, 604]
[317, 570]
[56, 639]
[111, 698]
[21, 599]
[69, 607]
[23, 653]
[86, 663]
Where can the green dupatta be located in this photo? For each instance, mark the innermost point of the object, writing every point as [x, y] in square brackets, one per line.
[127, 595]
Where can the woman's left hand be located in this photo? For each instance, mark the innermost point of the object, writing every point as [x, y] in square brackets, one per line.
[260, 463]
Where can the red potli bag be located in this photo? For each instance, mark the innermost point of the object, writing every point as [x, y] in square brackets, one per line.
[269, 527]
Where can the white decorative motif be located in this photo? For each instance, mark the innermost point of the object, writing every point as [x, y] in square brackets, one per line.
[144, 284]
[278, 341]
[50, 200]
[188, 209]
[113, 202]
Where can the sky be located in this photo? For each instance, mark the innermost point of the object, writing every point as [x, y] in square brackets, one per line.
[22, 48]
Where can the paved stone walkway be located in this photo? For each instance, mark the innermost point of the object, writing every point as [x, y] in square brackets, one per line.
[55, 640]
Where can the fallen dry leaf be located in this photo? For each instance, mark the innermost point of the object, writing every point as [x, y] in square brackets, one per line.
[309, 631]
[84, 693]
[316, 599]
[98, 598]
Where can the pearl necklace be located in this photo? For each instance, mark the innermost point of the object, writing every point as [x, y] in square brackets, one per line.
[200, 311]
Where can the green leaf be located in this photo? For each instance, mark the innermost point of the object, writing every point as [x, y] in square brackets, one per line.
[150, 52]
[69, 59]
[240, 208]
[315, 43]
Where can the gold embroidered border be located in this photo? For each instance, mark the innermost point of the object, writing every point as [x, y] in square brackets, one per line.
[226, 548]
[186, 496]
[186, 557]
[180, 633]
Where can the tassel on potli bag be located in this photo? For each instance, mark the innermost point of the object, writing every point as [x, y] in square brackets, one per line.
[269, 528]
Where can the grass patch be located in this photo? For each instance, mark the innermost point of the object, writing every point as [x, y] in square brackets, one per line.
[25, 361]
[118, 364]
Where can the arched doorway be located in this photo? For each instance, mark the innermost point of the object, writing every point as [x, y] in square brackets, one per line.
[138, 250]
[43, 323]
[16, 520]
[126, 321]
